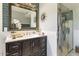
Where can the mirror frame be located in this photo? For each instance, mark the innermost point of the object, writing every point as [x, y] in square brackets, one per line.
[37, 17]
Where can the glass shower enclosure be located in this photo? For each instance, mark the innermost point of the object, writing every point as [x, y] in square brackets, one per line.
[65, 32]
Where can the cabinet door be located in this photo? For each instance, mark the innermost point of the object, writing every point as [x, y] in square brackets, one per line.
[43, 46]
[26, 50]
[39, 46]
[35, 46]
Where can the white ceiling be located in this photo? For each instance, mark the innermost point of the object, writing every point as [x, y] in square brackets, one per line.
[71, 5]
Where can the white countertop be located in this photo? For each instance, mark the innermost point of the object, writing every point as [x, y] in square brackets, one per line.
[8, 39]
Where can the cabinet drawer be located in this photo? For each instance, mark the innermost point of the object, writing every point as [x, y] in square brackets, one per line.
[13, 48]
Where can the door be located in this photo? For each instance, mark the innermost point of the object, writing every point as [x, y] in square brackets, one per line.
[27, 48]
[35, 43]
[64, 40]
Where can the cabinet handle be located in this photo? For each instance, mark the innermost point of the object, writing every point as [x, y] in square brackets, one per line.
[15, 47]
[33, 44]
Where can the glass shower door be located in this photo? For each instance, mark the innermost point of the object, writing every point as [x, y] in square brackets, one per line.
[64, 41]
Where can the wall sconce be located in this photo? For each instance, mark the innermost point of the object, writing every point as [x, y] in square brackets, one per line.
[43, 16]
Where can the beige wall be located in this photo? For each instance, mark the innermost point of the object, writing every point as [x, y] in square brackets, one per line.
[0, 17]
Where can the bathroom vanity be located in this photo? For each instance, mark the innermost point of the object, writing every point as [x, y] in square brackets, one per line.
[24, 17]
[36, 46]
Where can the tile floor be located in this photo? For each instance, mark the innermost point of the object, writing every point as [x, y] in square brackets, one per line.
[73, 53]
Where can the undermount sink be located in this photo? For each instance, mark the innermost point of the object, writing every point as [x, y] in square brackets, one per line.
[16, 35]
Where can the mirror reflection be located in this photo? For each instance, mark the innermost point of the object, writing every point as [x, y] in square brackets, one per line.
[22, 18]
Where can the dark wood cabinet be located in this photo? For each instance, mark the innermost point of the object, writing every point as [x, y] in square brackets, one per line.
[29, 47]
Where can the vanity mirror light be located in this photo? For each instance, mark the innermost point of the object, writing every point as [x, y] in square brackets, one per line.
[24, 16]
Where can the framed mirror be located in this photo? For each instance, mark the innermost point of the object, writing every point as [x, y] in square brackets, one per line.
[24, 16]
